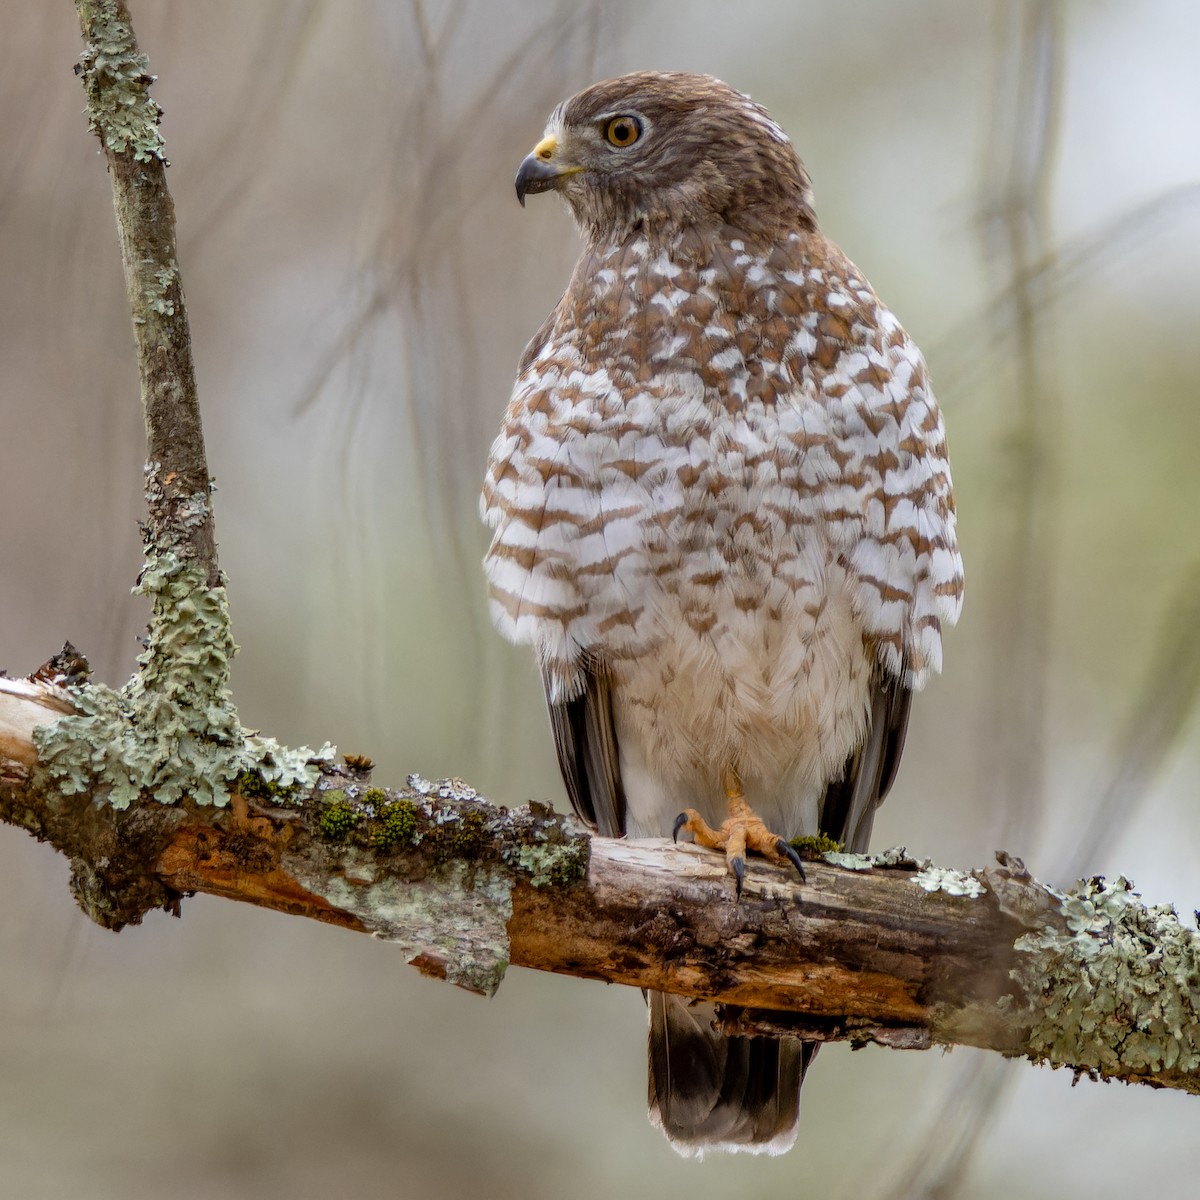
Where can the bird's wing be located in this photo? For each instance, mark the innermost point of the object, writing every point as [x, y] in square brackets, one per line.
[534, 347]
[888, 504]
[586, 744]
[888, 500]
[850, 802]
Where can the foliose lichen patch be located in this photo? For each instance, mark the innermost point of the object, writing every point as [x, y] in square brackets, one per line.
[172, 730]
[116, 79]
[1117, 992]
[945, 879]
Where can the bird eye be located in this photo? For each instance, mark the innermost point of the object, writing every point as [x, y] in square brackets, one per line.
[623, 131]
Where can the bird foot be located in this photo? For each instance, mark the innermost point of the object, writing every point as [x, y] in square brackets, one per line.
[743, 831]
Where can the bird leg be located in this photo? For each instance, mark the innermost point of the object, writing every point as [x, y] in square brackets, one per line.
[741, 831]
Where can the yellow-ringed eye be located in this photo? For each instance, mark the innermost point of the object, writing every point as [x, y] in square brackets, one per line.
[623, 131]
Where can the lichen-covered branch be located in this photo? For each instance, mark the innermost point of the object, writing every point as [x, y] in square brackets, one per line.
[885, 950]
[173, 728]
[123, 115]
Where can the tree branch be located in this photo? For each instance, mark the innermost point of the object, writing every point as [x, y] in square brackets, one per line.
[121, 112]
[173, 729]
[897, 954]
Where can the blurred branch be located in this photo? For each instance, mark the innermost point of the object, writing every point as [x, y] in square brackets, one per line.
[1014, 214]
[1021, 154]
[890, 954]
[968, 349]
[287, 30]
[1157, 717]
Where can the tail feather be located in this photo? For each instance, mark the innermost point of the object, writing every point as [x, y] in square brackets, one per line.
[709, 1091]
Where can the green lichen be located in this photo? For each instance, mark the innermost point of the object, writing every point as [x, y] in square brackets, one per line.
[338, 820]
[945, 879]
[396, 822]
[116, 78]
[894, 857]
[1117, 991]
[464, 944]
[897, 856]
[155, 292]
[848, 862]
[551, 851]
[172, 730]
[554, 864]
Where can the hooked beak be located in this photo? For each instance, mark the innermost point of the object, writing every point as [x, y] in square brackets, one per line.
[539, 172]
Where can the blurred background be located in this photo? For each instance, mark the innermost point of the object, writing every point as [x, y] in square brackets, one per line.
[1021, 183]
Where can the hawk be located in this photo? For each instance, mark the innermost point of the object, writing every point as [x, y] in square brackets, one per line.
[723, 519]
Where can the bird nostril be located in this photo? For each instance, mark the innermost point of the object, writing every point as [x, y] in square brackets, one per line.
[545, 154]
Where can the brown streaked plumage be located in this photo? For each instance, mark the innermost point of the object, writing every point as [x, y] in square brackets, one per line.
[723, 519]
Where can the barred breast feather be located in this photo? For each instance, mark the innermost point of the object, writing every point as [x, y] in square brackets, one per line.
[704, 425]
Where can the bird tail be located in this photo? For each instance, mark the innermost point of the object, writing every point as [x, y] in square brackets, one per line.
[713, 1092]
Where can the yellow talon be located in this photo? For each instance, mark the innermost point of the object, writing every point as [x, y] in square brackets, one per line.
[742, 830]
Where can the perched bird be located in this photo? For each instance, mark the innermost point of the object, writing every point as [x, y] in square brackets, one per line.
[723, 519]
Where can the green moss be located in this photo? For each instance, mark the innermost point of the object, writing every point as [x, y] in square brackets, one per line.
[116, 78]
[468, 837]
[815, 847]
[253, 786]
[435, 845]
[396, 822]
[338, 820]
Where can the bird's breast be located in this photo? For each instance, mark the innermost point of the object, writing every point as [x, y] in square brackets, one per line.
[765, 677]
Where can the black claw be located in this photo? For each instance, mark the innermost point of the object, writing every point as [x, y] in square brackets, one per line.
[739, 872]
[789, 852]
[680, 822]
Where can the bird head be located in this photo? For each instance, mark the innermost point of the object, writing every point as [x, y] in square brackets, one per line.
[662, 151]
